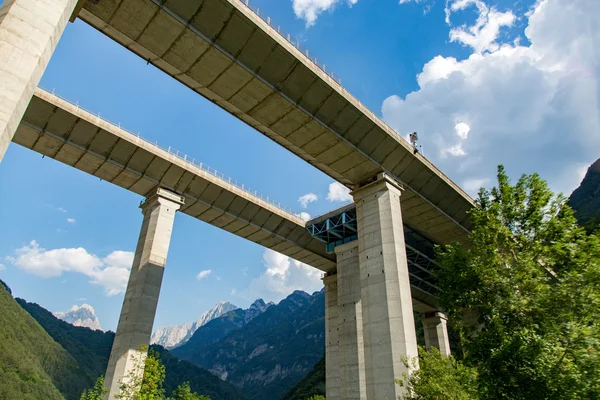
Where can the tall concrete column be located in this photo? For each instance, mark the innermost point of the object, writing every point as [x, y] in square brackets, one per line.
[388, 321]
[332, 358]
[352, 356]
[29, 32]
[436, 332]
[143, 288]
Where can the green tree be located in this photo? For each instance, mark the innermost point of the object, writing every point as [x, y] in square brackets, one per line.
[146, 378]
[184, 392]
[316, 397]
[97, 392]
[530, 276]
[439, 378]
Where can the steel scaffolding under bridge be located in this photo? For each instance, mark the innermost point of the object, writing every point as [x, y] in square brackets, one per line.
[340, 227]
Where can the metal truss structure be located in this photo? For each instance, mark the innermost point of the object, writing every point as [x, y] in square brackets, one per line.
[342, 228]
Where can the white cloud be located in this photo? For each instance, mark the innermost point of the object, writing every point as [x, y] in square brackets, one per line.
[61, 210]
[338, 192]
[483, 34]
[204, 274]
[462, 130]
[533, 108]
[111, 272]
[307, 199]
[309, 10]
[304, 216]
[281, 277]
[2, 267]
[71, 220]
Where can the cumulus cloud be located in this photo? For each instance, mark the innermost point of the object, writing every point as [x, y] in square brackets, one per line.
[338, 193]
[204, 274]
[309, 10]
[281, 277]
[71, 220]
[305, 216]
[110, 272]
[483, 34]
[533, 108]
[307, 199]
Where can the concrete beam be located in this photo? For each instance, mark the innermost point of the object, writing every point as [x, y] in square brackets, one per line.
[29, 32]
[388, 321]
[435, 326]
[143, 289]
[350, 332]
[332, 357]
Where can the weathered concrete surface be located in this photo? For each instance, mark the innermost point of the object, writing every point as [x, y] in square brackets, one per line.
[388, 320]
[226, 53]
[350, 323]
[435, 326]
[143, 289]
[62, 131]
[29, 32]
[332, 351]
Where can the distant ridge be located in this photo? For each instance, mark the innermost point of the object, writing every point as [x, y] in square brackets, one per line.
[83, 315]
[268, 355]
[585, 200]
[173, 336]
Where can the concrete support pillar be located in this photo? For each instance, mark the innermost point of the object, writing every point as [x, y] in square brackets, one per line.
[352, 357]
[332, 358]
[388, 321]
[29, 32]
[143, 289]
[436, 332]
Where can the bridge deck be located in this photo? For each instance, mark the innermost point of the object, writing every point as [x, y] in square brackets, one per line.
[228, 54]
[65, 132]
[61, 130]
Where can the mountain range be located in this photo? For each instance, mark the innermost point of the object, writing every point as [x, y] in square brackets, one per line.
[585, 200]
[255, 353]
[83, 315]
[43, 357]
[266, 356]
[173, 336]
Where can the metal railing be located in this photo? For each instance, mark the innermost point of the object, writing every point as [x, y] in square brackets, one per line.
[295, 42]
[190, 160]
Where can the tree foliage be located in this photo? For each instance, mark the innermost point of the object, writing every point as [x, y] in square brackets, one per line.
[32, 365]
[183, 392]
[97, 392]
[145, 380]
[439, 378]
[531, 278]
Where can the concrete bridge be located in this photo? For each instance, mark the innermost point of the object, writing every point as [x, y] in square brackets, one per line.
[376, 254]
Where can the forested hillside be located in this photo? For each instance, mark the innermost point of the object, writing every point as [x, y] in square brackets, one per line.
[585, 200]
[32, 365]
[312, 384]
[91, 349]
[270, 354]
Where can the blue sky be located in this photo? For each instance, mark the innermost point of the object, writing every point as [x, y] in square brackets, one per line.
[483, 82]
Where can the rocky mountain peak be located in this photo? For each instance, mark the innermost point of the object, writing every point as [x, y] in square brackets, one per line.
[585, 200]
[176, 335]
[83, 315]
[595, 167]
